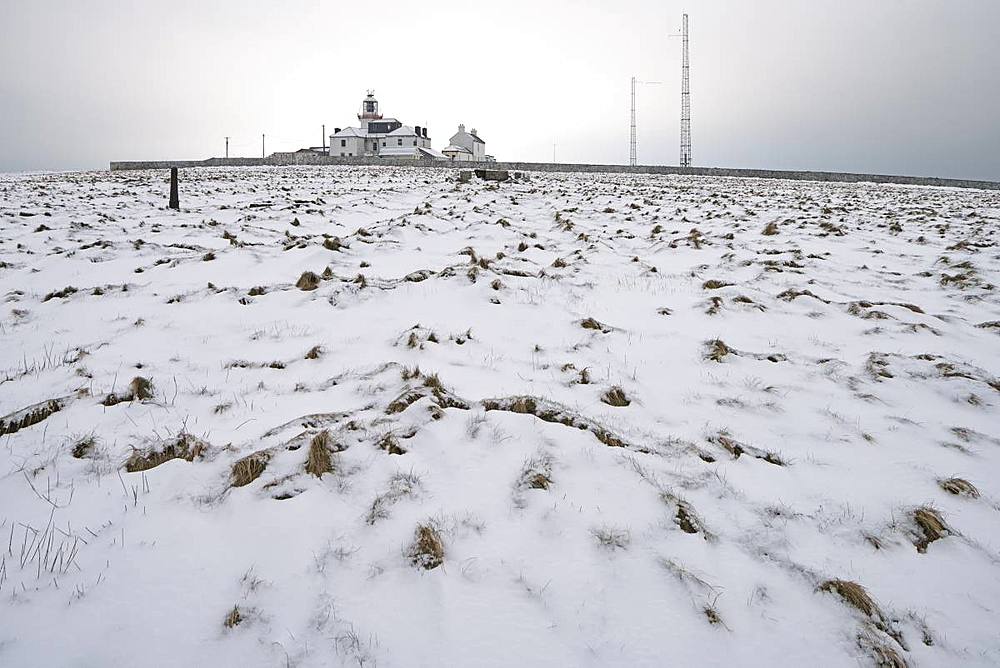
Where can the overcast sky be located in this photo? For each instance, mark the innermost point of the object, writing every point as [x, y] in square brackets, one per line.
[886, 86]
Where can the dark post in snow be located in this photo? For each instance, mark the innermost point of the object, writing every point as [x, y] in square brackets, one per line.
[175, 203]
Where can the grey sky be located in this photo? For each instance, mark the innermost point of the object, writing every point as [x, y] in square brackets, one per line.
[890, 86]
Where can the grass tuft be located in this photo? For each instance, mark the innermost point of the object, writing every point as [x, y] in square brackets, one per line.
[931, 526]
[612, 538]
[717, 350]
[591, 323]
[233, 618]
[319, 460]
[183, 446]
[84, 447]
[141, 388]
[854, 595]
[959, 487]
[427, 549]
[308, 281]
[249, 468]
[616, 397]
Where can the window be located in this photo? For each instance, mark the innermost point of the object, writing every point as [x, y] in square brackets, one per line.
[341, 154]
[350, 155]
[414, 142]
[383, 143]
[399, 142]
[343, 142]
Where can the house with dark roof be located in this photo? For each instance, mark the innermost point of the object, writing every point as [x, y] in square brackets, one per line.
[377, 136]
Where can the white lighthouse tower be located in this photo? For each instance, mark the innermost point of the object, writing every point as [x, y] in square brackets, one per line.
[369, 111]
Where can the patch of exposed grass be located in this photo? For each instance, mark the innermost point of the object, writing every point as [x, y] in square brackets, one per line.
[389, 443]
[427, 549]
[29, 416]
[61, 294]
[882, 654]
[319, 460]
[931, 527]
[854, 595]
[183, 446]
[536, 474]
[249, 468]
[591, 323]
[713, 284]
[140, 388]
[616, 397]
[233, 618]
[959, 487]
[405, 400]
[770, 229]
[84, 447]
[717, 350]
[308, 281]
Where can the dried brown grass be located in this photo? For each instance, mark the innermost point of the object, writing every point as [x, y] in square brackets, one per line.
[319, 460]
[717, 350]
[249, 468]
[959, 487]
[616, 397]
[931, 526]
[233, 618]
[427, 549]
[308, 281]
[184, 446]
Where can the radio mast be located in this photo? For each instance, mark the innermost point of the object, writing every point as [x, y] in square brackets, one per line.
[631, 144]
[685, 102]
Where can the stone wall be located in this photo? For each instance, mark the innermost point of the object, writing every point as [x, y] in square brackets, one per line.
[287, 159]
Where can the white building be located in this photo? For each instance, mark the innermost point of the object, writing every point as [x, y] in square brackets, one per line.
[378, 136]
[466, 146]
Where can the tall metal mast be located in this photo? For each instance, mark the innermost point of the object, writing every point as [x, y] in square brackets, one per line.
[685, 102]
[631, 145]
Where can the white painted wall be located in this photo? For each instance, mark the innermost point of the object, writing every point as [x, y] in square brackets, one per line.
[347, 146]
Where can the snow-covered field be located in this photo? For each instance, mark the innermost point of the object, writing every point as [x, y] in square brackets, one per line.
[572, 420]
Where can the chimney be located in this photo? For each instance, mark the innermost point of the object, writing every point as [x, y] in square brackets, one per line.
[474, 131]
[425, 132]
[416, 129]
[336, 130]
[461, 127]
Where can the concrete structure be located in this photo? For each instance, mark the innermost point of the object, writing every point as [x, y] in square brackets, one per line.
[308, 158]
[466, 147]
[377, 136]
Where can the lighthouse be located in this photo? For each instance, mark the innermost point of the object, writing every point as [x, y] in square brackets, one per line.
[369, 110]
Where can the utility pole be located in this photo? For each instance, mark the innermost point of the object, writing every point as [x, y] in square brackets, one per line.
[685, 101]
[553, 153]
[262, 154]
[324, 138]
[631, 142]
[227, 148]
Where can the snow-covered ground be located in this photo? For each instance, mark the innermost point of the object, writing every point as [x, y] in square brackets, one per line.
[573, 420]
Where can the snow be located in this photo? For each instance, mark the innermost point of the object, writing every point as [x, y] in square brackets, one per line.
[698, 525]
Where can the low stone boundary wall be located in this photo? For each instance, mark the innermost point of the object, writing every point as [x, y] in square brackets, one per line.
[288, 159]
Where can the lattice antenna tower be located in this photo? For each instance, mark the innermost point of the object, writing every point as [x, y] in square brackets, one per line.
[685, 101]
[631, 143]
